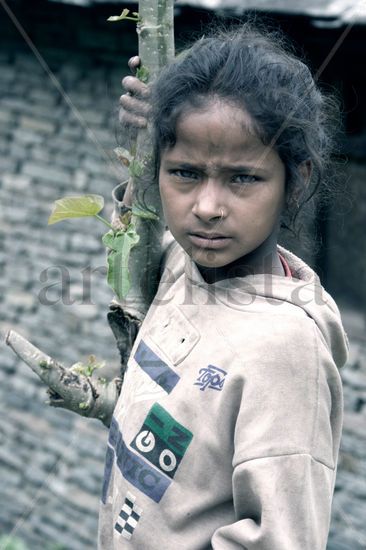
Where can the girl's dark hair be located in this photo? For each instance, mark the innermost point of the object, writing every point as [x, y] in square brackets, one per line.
[255, 70]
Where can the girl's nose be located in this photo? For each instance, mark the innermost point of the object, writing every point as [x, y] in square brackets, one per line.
[208, 204]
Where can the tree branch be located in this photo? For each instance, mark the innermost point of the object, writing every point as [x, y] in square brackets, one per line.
[91, 397]
[86, 395]
[156, 49]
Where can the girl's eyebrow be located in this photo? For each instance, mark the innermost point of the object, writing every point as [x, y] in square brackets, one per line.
[202, 167]
[184, 165]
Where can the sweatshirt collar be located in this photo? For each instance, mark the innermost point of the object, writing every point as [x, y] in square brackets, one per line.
[258, 292]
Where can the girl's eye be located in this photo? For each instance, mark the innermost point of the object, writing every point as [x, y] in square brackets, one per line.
[184, 174]
[244, 178]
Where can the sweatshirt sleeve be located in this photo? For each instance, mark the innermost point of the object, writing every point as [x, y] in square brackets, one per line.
[287, 436]
[281, 503]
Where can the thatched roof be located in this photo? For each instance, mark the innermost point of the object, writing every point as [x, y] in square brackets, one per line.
[330, 12]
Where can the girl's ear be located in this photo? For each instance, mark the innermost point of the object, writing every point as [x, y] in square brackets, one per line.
[306, 169]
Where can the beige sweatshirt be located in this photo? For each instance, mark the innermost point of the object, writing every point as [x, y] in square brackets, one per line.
[227, 430]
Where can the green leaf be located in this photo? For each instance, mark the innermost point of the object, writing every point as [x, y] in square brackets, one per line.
[136, 168]
[108, 239]
[123, 155]
[79, 206]
[120, 245]
[87, 369]
[143, 74]
[123, 15]
[141, 212]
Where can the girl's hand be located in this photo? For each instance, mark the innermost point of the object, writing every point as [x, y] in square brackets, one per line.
[135, 107]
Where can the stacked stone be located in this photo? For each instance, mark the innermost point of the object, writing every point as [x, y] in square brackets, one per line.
[53, 290]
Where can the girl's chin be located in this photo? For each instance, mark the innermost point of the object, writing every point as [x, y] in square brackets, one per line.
[210, 259]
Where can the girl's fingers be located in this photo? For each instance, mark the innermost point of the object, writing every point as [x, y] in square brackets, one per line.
[135, 106]
[130, 119]
[133, 111]
[135, 87]
[134, 63]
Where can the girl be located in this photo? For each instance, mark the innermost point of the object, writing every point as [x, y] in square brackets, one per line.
[227, 430]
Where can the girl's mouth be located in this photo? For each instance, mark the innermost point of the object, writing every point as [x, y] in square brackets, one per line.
[206, 240]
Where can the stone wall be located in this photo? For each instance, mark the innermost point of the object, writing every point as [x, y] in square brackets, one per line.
[346, 243]
[53, 289]
[53, 277]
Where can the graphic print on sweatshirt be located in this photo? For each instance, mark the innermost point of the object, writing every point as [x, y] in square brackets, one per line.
[155, 367]
[148, 377]
[137, 471]
[211, 377]
[162, 440]
[128, 517]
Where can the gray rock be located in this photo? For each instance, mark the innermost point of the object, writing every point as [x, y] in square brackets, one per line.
[68, 131]
[35, 476]
[6, 116]
[18, 152]
[46, 172]
[25, 136]
[47, 98]
[80, 180]
[70, 162]
[10, 460]
[7, 164]
[28, 64]
[86, 243]
[40, 153]
[15, 104]
[93, 117]
[354, 379]
[37, 125]
[16, 182]
[8, 73]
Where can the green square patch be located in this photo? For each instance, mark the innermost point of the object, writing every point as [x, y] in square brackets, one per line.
[162, 440]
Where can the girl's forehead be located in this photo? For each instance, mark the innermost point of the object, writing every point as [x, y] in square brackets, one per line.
[220, 136]
[219, 125]
[219, 111]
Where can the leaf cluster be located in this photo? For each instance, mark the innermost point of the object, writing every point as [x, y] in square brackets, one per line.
[119, 243]
[125, 16]
[87, 369]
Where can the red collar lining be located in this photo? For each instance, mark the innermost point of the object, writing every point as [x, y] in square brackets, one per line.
[285, 265]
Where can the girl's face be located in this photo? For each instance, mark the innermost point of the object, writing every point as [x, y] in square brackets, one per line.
[223, 191]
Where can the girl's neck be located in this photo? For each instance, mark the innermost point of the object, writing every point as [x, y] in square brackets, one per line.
[251, 264]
